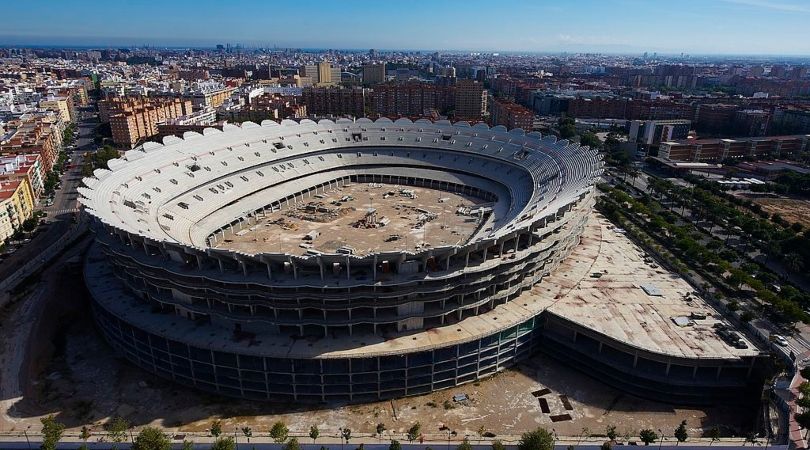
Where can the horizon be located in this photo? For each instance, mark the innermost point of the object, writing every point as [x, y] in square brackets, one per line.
[698, 28]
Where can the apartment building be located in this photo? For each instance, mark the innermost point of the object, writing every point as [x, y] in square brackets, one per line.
[469, 100]
[335, 101]
[34, 134]
[373, 74]
[60, 105]
[511, 115]
[23, 168]
[411, 99]
[16, 206]
[133, 119]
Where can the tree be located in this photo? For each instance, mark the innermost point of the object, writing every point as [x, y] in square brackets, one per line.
[51, 432]
[793, 262]
[279, 432]
[803, 419]
[380, 428]
[497, 445]
[714, 434]
[314, 433]
[151, 438]
[607, 445]
[414, 431]
[395, 445]
[187, 445]
[85, 433]
[224, 443]
[216, 428]
[117, 430]
[539, 439]
[346, 434]
[292, 444]
[465, 445]
[680, 433]
[590, 139]
[805, 372]
[648, 436]
[610, 432]
[248, 432]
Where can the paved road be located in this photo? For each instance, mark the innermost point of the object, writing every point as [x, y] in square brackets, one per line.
[61, 213]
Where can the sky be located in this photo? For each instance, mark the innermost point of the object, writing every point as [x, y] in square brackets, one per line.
[609, 26]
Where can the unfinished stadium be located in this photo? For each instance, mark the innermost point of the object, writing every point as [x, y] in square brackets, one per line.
[362, 260]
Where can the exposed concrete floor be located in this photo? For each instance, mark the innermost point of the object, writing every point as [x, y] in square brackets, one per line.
[447, 228]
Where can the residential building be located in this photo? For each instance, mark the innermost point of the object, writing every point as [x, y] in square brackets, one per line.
[468, 101]
[653, 132]
[16, 206]
[373, 74]
[134, 119]
[60, 105]
[511, 115]
[335, 101]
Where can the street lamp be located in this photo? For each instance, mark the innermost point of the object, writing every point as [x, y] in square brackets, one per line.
[25, 432]
[662, 439]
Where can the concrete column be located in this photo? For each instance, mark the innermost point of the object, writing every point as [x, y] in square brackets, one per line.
[320, 266]
[635, 360]
[694, 372]
[374, 269]
[719, 368]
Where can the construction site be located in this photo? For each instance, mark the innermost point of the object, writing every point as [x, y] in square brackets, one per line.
[363, 218]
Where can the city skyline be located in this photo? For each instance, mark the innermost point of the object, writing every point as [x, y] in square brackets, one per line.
[625, 26]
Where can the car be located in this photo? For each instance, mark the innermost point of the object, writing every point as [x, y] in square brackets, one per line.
[779, 340]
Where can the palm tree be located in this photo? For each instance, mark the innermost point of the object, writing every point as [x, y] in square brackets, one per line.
[314, 433]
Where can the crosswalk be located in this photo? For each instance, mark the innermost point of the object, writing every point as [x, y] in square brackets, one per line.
[63, 211]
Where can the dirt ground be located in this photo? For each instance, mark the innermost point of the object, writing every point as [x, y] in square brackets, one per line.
[432, 218]
[790, 209]
[85, 383]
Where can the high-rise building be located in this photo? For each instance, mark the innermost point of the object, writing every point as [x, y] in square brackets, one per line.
[411, 99]
[468, 100]
[373, 74]
[324, 72]
[335, 101]
[311, 72]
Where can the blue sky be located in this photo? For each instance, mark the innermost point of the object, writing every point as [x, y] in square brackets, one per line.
[619, 26]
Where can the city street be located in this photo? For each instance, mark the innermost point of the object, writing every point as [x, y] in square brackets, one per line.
[60, 215]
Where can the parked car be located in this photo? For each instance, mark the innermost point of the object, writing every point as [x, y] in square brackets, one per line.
[779, 339]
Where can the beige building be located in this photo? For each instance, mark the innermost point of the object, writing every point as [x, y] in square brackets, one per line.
[60, 105]
[132, 120]
[16, 205]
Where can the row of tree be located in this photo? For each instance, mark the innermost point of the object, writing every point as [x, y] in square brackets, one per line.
[152, 438]
[702, 252]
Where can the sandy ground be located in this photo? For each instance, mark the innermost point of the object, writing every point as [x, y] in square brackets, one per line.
[84, 383]
[284, 230]
[790, 209]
